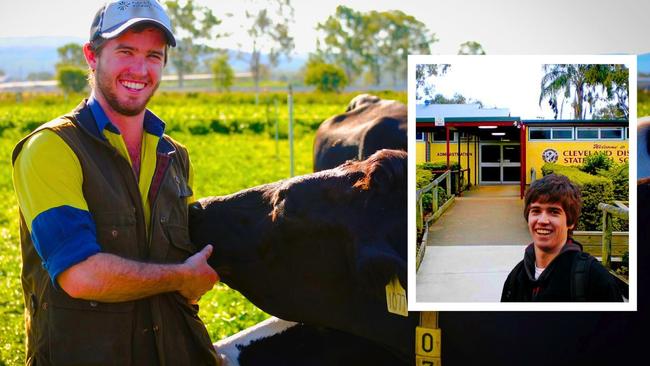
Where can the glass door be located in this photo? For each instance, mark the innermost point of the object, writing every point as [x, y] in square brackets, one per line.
[500, 163]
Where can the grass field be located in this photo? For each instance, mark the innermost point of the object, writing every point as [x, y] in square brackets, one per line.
[231, 146]
[643, 104]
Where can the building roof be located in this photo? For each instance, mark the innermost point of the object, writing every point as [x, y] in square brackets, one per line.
[458, 110]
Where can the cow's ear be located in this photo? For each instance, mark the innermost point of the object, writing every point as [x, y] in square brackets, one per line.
[385, 171]
[376, 265]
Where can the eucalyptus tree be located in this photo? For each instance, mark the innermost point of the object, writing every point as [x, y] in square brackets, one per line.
[424, 88]
[584, 86]
[267, 26]
[194, 27]
[374, 41]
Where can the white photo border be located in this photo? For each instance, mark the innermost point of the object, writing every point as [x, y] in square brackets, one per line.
[413, 305]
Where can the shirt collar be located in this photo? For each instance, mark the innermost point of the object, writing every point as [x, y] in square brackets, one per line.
[152, 124]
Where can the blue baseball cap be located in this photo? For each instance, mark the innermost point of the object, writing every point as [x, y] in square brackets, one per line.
[116, 16]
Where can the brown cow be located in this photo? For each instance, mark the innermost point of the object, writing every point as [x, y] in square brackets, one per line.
[368, 125]
[319, 248]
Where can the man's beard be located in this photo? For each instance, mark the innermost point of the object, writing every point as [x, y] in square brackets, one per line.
[104, 85]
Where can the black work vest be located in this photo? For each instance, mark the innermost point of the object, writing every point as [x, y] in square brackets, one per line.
[162, 329]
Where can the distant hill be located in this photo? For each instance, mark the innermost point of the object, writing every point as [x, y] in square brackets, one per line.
[20, 56]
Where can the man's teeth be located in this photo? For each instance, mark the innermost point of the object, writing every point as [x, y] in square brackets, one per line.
[133, 85]
[543, 231]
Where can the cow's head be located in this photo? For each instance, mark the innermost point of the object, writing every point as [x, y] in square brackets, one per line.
[319, 248]
[320, 233]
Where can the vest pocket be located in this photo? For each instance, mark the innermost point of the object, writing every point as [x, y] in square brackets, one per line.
[117, 233]
[181, 247]
[86, 332]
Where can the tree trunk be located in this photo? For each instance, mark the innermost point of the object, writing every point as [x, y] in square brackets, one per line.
[578, 112]
[255, 70]
[180, 74]
[377, 72]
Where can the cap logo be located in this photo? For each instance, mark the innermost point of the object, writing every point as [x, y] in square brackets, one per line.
[123, 5]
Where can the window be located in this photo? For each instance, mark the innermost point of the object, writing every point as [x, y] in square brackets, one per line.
[539, 133]
[550, 133]
[599, 133]
[419, 136]
[562, 133]
[587, 133]
[615, 133]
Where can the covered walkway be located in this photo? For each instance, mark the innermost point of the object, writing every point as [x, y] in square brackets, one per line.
[473, 246]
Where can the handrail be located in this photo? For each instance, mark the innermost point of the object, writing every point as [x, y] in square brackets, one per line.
[421, 223]
[609, 211]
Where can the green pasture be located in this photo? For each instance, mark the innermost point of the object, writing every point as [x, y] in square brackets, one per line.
[231, 145]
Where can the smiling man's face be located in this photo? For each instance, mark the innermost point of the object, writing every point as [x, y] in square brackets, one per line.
[547, 224]
[129, 68]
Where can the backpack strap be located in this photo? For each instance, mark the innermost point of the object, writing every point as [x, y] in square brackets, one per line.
[580, 279]
[509, 289]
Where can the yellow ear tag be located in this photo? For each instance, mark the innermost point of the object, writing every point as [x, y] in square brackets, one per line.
[396, 298]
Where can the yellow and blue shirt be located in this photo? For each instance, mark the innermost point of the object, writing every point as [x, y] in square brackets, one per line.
[48, 181]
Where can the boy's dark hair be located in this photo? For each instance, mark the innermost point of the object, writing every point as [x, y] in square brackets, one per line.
[555, 189]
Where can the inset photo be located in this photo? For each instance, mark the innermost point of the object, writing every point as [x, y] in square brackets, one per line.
[519, 183]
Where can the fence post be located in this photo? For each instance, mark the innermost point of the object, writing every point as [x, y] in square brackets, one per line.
[607, 239]
[290, 102]
[277, 130]
[434, 204]
[448, 181]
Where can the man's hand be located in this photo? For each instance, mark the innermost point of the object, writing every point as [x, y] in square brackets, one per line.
[200, 277]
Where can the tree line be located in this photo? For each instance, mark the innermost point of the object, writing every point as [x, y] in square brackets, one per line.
[353, 47]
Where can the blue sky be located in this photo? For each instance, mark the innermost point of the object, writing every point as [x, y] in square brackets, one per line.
[507, 81]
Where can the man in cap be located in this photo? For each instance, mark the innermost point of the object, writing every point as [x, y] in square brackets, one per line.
[554, 267]
[109, 273]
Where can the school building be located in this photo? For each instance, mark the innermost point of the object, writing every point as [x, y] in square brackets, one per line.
[497, 148]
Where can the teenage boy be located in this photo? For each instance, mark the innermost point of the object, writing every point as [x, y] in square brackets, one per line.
[554, 267]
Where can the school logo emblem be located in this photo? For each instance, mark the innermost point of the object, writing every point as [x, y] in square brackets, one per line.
[550, 155]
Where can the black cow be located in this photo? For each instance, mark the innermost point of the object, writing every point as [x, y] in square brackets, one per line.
[369, 124]
[318, 249]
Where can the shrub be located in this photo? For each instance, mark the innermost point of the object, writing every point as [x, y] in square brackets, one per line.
[440, 167]
[594, 189]
[620, 176]
[423, 177]
[223, 73]
[595, 162]
[199, 129]
[325, 77]
[219, 127]
[71, 79]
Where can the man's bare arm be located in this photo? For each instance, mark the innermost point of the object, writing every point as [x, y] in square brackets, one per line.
[109, 278]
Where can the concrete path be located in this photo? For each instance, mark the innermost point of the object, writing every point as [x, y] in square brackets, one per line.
[487, 215]
[473, 246]
[465, 273]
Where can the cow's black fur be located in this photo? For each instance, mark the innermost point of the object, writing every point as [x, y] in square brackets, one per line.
[318, 249]
[369, 124]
